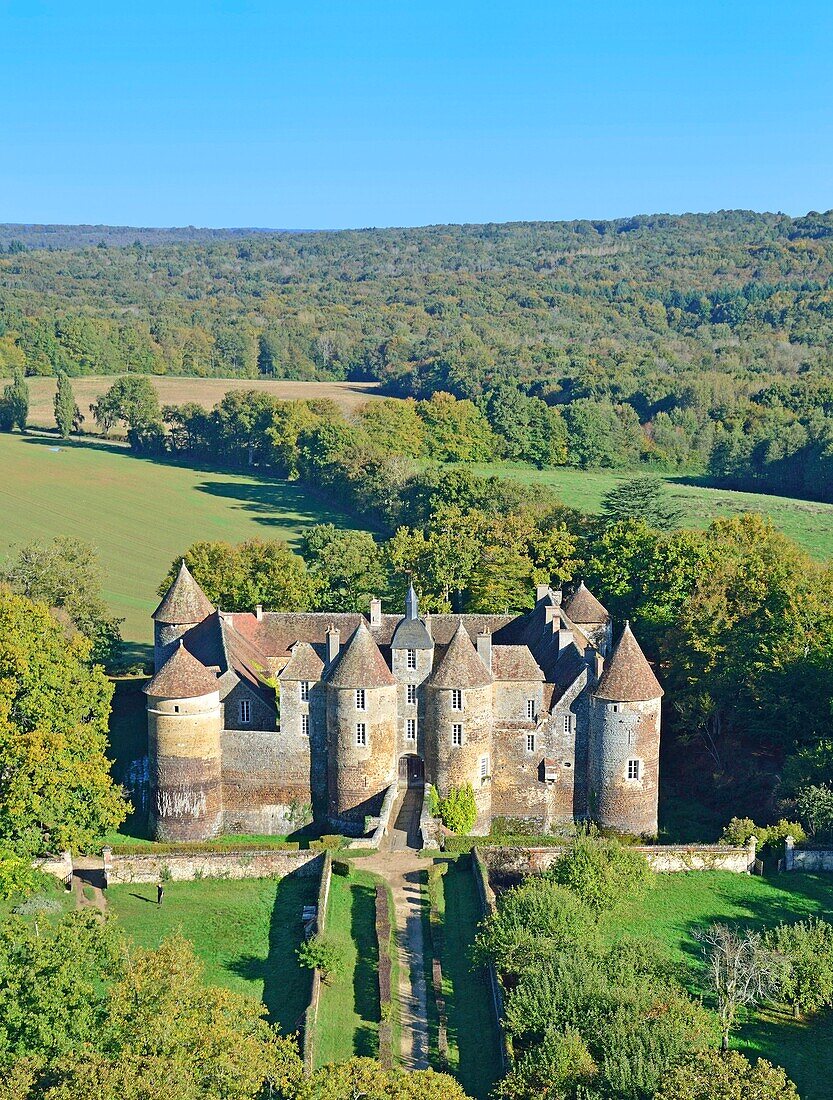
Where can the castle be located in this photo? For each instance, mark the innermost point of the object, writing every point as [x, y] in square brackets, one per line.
[259, 722]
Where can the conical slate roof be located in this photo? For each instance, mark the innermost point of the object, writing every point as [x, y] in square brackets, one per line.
[182, 677]
[583, 607]
[627, 676]
[306, 663]
[184, 602]
[360, 663]
[461, 666]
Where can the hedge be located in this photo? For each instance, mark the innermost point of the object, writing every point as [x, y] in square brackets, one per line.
[218, 845]
[464, 844]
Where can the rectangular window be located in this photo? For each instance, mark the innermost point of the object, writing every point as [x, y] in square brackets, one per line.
[484, 767]
[530, 742]
[456, 699]
[634, 769]
[410, 729]
[530, 708]
[361, 702]
[568, 723]
[457, 734]
[305, 725]
[411, 690]
[361, 734]
[410, 658]
[245, 711]
[304, 691]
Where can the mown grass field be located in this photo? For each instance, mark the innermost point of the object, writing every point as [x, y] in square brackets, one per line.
[246, 933]
[809, 523]
[203, 391]
[677, 904]
[140, 514]
[348, 1011]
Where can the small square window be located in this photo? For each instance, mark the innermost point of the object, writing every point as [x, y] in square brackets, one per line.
[456, 699]
[410, 658]
[634, 769]
[305, 691]
[361, 699]
[411, 694]
[615, 708]
[530, 742]
[530, 708]
[305, 725]
[361, 734]
[245, 711]
[457, 734]
[410, 729]
[176, 710]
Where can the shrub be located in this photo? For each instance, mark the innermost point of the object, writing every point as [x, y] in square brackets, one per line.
[807, 950]
[601, 872]
[739, 830]
[726, 1077]
[458, 811]
[776, 834]
[815, 805]
[323, 954]
[433, 801]
[342, 867]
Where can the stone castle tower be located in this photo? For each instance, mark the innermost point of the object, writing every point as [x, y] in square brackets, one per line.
[258, 722]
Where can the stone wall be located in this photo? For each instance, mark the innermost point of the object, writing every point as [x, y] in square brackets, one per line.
[186, 866]
[266, 781]
[621, 732]
[662, 858]
[806, 859]
[486, 897]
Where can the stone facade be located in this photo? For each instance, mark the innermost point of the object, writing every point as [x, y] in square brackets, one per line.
[259, 722]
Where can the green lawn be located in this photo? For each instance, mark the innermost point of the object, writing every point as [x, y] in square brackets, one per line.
[245, 932]
[809, 523]
[473, 1042]
[679, 903]
[348, 1011]
[139, 513]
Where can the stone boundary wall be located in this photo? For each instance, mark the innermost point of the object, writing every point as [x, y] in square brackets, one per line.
[428, 825]
[60, 866]
[806, 859]
[384, 940]
[311, 1014]
[187, 866]
[383, 822]
[487, 902]
[661, 858]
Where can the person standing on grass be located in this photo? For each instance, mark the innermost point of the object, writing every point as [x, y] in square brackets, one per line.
[160, 893]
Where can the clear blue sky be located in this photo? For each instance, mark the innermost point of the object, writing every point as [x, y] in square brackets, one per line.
[316, 114]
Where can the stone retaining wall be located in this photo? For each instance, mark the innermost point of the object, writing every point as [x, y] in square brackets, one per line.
[806, 859]
[486, 897]
[186, 866]
[662, 858]
[311, 1014]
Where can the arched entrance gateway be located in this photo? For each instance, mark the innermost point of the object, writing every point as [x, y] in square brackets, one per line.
[411, 770]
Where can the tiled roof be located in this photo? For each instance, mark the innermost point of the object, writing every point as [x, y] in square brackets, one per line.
[360, 664]
[627, 676]
[461, 666]
[583, 607]
[182, 677]
[514, 662]
[184, 602]
[306, 663]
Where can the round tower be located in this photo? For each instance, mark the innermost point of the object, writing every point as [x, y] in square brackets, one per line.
[625, 739]
[184, 750]
[361, 731]
[183, 606]
[459, 723]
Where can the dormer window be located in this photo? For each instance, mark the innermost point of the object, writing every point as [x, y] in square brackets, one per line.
[456, 699]
[361, 699]
[245, 712]
[305, 687]
[410, 658]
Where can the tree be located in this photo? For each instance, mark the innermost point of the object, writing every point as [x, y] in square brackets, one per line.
[712, 1075]
[14, 404]
[346, 566]
[366, 1079]
[554, 1070]
[324, 954]
[740, 972]
[65, 575]
[68, 416]
[458, 810]
[640, 498]
[131, 399]
[807, 949]
[456, 431]
[602, 873]
[394, 425]
[815, 807]
[55, 786]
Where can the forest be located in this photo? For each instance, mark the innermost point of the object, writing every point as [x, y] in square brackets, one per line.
[699, 342]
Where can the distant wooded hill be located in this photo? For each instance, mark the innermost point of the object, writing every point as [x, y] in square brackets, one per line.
[700, 340]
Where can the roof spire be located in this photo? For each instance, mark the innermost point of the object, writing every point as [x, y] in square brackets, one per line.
[185, 603]
[411, 603]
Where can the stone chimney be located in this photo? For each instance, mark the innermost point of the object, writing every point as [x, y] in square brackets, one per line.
[564, 638]
[551, 615]
[375, 614]
[484, 648]
[595, 664]
[557, 595]
[259, 612]
[333, 643]
[541, 592]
